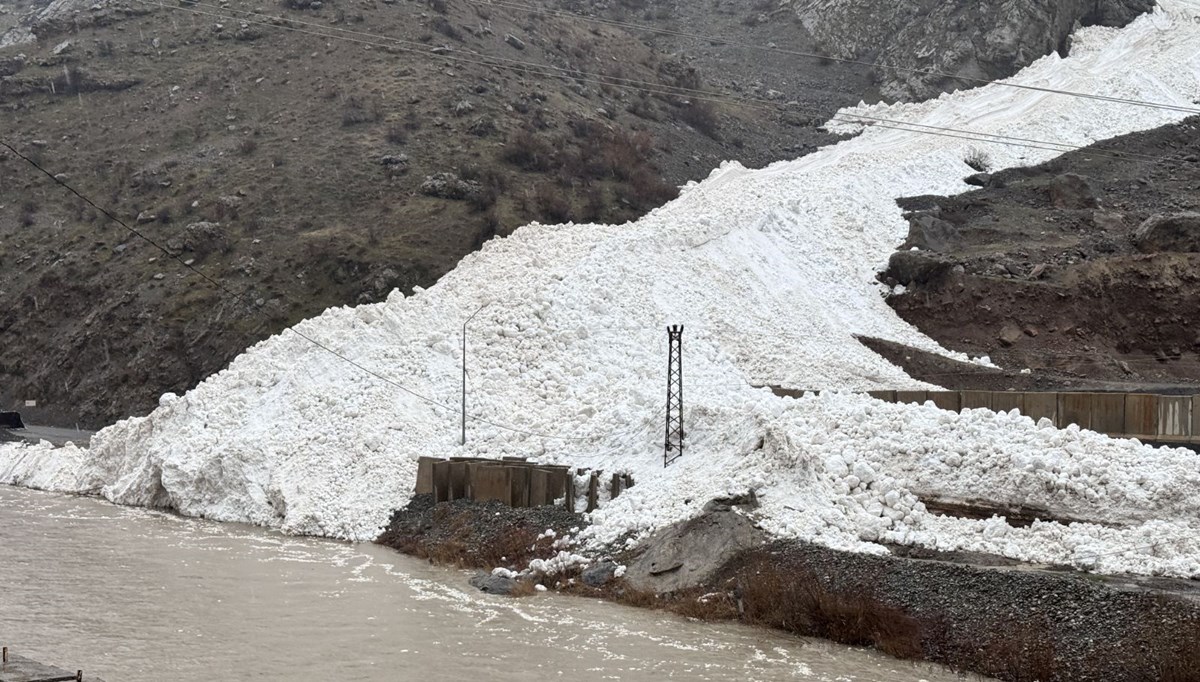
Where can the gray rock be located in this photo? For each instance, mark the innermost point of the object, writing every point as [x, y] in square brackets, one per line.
[1169, 232]
[1073, 191]
[1009, 334]
[463, 108]
[450, 186]
[394, 159]
[514, 41]
[979, 179]
[205, 237]
[599, 574]
[916, 267]
[482, 127]
[493, 584]
[929, 232]
[145, 217]
[1110, 221]
[691, 552]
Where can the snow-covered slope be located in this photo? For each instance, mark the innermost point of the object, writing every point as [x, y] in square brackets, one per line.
[772, 273]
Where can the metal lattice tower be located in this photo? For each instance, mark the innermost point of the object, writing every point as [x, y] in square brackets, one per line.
[674, 442]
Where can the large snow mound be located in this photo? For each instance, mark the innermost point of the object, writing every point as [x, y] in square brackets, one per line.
[773, 274]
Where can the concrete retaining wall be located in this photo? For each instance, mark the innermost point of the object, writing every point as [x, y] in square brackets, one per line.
[512, 481]
[1158, 418]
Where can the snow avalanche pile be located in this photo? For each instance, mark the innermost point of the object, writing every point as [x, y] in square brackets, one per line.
[772, 272]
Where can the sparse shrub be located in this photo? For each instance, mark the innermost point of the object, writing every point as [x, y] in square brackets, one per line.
[978, 159]
[802, 604]
[492, 183]
[442, 25]
[438, 6]
[491, 223]
[643, 107]
[702, 116]
[396, 134]
[647, 189]
[247, 146]
[552, 205]
[163, 215]
[528, 152]
[358, 109]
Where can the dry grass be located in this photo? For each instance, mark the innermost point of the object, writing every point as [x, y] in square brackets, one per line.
[801, 603]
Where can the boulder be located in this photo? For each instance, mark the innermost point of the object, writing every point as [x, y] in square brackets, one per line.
[514, 41]
[691, 553]
[979, 179]
[494, 584]
[1009, 334]
[916, 267]
[1169, 232]
[599, 574]
[1073, 191]
[931, 233]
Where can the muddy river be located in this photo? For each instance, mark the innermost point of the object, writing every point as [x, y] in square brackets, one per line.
[139, 596]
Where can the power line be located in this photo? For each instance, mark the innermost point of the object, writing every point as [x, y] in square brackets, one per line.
[239, 297]
[652, 88]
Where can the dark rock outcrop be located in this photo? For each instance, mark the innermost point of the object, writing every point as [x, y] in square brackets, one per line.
[971, 40]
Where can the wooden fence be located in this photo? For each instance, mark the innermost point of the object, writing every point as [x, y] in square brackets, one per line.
[513, 481]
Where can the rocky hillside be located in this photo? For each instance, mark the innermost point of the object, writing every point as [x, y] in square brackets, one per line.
[310, 154]
[972, 40]
[1086, 268]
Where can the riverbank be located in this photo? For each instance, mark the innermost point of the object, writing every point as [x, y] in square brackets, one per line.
[972, 613]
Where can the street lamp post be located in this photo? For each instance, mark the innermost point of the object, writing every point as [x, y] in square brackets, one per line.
[464, 371]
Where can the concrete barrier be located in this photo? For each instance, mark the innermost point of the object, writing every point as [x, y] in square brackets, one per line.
[441, 481]
[946, 400]
[972, 400]
[1175, 423]
[425, 475]
[1007, 401]
[1108, 412]
[1141, 416]
[1039, 406]
[1157, 418]
[490, 483]
[511, 480]
[916, 397]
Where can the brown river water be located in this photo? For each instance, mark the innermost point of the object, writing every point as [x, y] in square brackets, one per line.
[137, 595]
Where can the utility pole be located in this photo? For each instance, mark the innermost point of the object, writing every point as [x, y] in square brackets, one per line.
[464, 371]
[674, 442]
